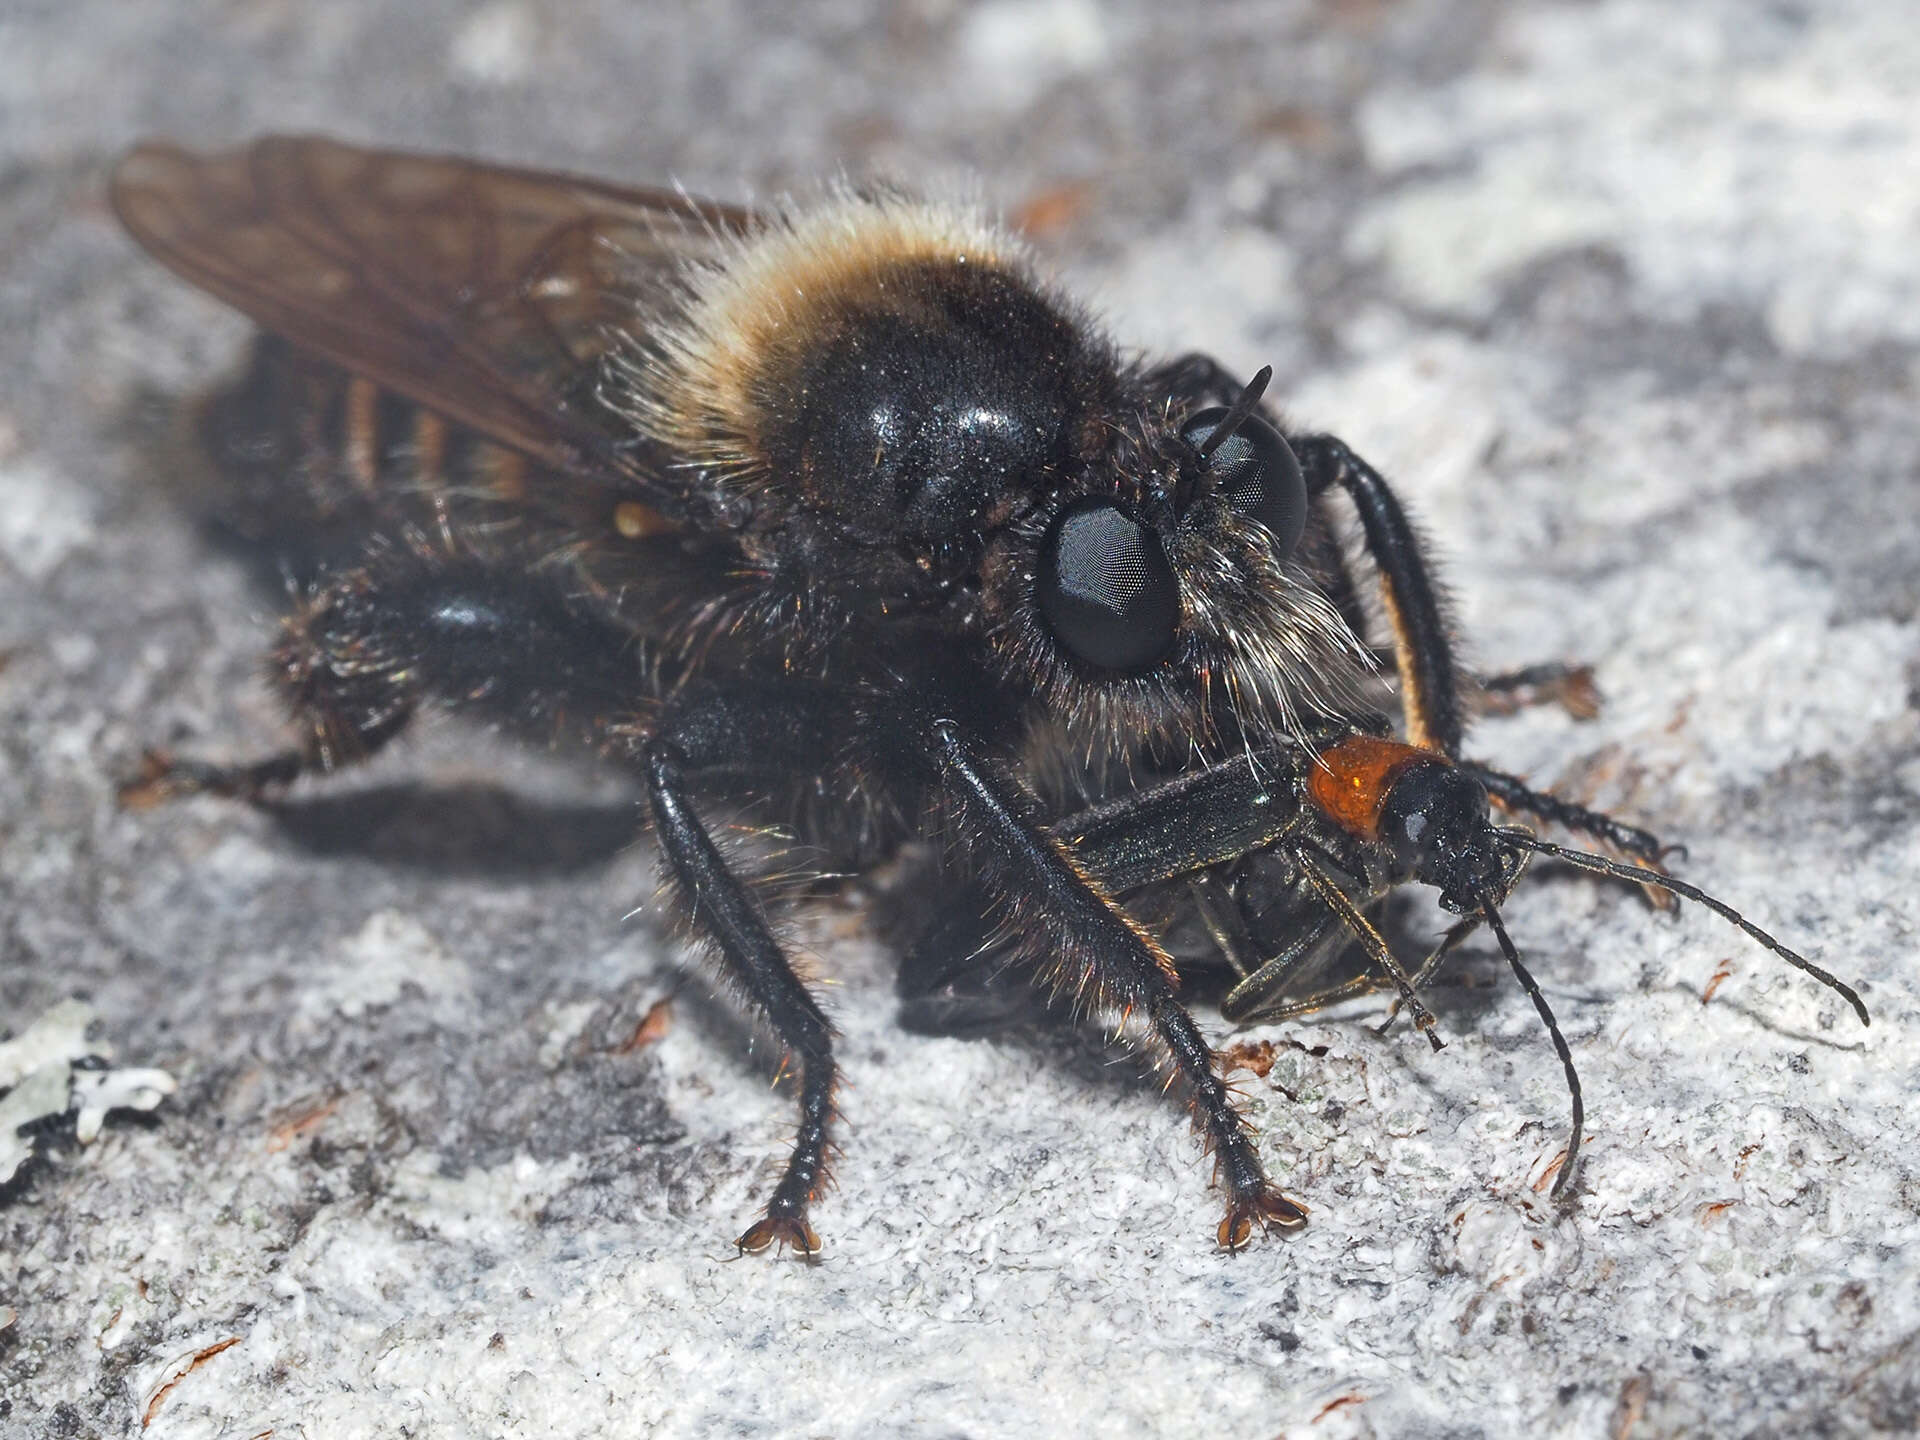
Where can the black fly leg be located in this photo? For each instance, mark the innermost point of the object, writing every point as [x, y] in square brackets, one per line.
[164, 776]
[1423, 649]
[753, 737]
[1075, 931]
[722, 908]
[347, 691]
[1197, 378]
[364, 651]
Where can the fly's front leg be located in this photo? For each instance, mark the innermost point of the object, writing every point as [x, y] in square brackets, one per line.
[366, 650]
[748, 737]
[1196, 378]
[1422, 639]
[1074, 929]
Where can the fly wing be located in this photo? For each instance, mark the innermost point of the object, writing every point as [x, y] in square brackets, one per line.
[482, 292]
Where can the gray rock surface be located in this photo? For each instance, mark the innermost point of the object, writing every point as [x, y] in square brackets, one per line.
[1626, 295]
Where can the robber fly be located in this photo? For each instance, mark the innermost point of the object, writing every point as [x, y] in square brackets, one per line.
[841, 510]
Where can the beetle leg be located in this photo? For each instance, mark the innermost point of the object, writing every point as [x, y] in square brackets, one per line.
[1556, 682]
[1515, 795]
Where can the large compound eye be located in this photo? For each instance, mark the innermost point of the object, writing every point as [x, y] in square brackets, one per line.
[1106, 588]
[1257, 472]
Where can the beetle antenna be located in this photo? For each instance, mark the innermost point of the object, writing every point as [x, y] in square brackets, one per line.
[1532, 987]
[1587, 860]
[1237, 416]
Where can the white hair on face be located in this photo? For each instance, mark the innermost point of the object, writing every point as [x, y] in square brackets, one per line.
[1264, 649]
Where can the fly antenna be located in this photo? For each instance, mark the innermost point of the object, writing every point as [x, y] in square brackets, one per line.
[1237, 416]
[1620, 869]
[1531, 986]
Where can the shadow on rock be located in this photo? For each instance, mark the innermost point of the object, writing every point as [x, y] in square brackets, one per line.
[459, 829]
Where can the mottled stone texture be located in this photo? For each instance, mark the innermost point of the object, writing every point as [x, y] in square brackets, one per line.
[1626, 295]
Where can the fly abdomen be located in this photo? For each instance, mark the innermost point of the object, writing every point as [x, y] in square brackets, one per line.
[313, 460]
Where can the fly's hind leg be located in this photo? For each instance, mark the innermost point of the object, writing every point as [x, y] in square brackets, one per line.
[367, 650]
[347, 687]
[164, 776]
